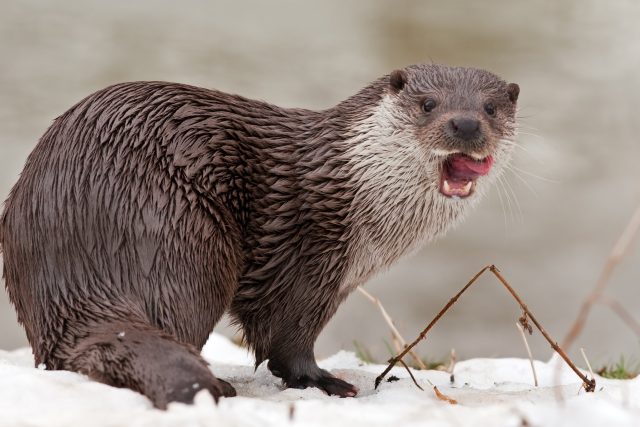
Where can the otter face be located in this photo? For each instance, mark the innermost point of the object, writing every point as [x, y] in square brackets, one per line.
[463, 119]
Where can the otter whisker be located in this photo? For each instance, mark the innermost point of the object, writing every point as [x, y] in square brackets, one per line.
[504, 212]
[524, 181]
[515, 197]
[518, 146]
[541, 178]
[507, 195]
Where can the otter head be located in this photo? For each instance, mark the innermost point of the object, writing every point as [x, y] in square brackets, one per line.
[461, 119]
[421, 145]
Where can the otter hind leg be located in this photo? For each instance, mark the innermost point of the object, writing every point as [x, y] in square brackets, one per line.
[136, 355]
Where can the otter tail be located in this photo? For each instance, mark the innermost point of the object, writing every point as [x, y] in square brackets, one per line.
[138, 356]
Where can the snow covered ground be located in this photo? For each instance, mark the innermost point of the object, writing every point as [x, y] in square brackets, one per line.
[490, 392]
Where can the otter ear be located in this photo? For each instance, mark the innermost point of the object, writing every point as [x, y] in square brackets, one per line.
[398, 79]
[513, 90]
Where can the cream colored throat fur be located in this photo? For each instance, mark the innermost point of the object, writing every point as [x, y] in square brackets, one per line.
[397, 205]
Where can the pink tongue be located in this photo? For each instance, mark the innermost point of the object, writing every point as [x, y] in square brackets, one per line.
[461, 166]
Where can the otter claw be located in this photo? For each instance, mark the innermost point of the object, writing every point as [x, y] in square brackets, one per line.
[336, 387]
[326, 382]
[226, 388]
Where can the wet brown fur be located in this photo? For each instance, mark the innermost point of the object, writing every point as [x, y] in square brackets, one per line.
[149, 209]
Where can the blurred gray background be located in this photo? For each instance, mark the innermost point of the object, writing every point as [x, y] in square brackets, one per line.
[578, 66]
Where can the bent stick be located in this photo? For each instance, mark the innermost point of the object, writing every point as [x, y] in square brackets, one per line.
[589, 384]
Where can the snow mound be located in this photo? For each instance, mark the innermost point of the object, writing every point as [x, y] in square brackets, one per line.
[490, 392]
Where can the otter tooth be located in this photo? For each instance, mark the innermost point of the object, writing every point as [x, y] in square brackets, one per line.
[467, 187]
[446, 187]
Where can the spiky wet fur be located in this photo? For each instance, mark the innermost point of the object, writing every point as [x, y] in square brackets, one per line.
[149, 209]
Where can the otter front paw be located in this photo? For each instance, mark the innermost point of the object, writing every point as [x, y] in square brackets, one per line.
[307, 374]
[325, 381]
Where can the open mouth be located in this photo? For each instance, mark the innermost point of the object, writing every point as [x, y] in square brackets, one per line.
[459, 173]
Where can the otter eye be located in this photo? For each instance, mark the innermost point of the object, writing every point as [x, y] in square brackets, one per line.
[428, 105]
[490, 109]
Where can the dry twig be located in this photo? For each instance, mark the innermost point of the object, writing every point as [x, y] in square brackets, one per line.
[411, 374]
[622, 313]
[451, 366]
[444, 396]
[526, 344]
[395, 334]
[618, 252]
[426, 330]
[438, 393]
[584, 356]
[589, 384]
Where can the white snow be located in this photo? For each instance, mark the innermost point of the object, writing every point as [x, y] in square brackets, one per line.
[490, 392]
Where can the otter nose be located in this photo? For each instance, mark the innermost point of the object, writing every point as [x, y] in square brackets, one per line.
[464, 128]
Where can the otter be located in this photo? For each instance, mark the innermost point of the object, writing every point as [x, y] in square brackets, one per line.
[149, 209]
